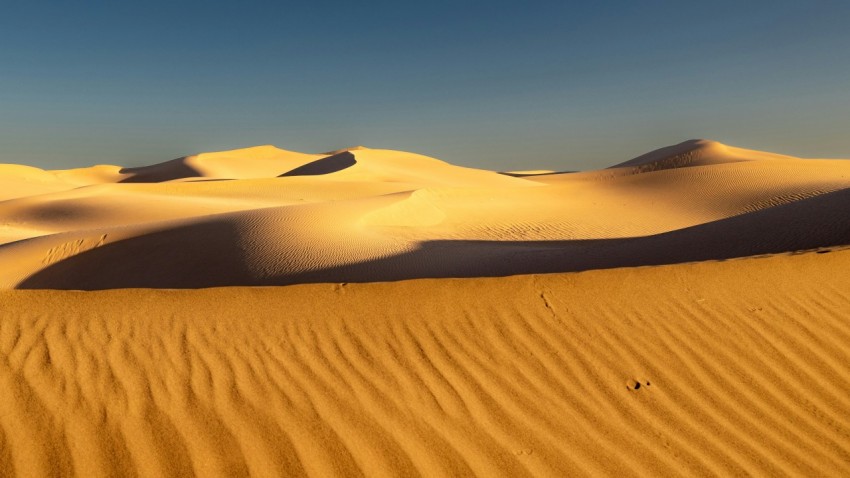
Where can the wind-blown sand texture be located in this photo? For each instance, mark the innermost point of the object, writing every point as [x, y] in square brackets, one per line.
[734, 365]
[742, 365]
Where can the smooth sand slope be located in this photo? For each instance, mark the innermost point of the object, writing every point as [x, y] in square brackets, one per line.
[728, 368]
[266, 216]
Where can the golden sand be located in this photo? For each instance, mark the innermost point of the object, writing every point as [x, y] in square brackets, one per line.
[742, 366]
[731, 360]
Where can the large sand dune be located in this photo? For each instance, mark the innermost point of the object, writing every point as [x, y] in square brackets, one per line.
[266, 216]
[707, 334]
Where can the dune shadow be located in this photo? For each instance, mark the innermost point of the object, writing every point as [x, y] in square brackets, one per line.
[531, 175]
[809, 224]
[192, 256]
[157, 173]
[208, 254]
[209, 180]
[328, 165]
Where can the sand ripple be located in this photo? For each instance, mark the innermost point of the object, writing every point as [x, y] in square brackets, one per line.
[727, 368]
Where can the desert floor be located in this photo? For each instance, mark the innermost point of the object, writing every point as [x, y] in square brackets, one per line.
[376, 313]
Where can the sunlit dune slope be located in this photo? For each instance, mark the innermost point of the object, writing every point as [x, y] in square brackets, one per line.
[695, 152]
[267, 216]
[729, 368]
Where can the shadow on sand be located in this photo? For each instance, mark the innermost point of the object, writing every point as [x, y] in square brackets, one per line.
[157, 173]
[328, 165]
[208, 254]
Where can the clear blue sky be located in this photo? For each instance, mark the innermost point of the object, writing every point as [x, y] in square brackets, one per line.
[498, 85]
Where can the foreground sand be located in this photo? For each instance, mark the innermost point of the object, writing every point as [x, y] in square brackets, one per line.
[742, 366]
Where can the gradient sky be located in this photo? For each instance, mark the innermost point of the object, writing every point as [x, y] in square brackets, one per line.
[498, 85]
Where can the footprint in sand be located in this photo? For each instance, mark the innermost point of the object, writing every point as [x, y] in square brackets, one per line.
[637, 385]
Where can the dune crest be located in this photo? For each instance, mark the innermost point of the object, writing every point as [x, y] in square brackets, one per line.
[694, 152]
[348, 149]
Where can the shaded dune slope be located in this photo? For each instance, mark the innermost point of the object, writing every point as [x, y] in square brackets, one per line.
[167, 258]
[711, 369]
[175, 169]
[327, 165]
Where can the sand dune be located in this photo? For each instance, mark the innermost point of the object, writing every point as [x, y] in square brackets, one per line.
[717, 369]
[693, 321]
[695, 152]
[256, 162]
[267, 216]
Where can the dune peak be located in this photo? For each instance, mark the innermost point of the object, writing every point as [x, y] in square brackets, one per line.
[693, 152]
[359, 147]
[248, 152]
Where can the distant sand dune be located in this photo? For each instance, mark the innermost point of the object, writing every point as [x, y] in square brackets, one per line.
[255, 162]
[697, 152]
[720, 368]
[276, 217]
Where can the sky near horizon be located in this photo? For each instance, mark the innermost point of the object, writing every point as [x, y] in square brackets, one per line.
[495, 85]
